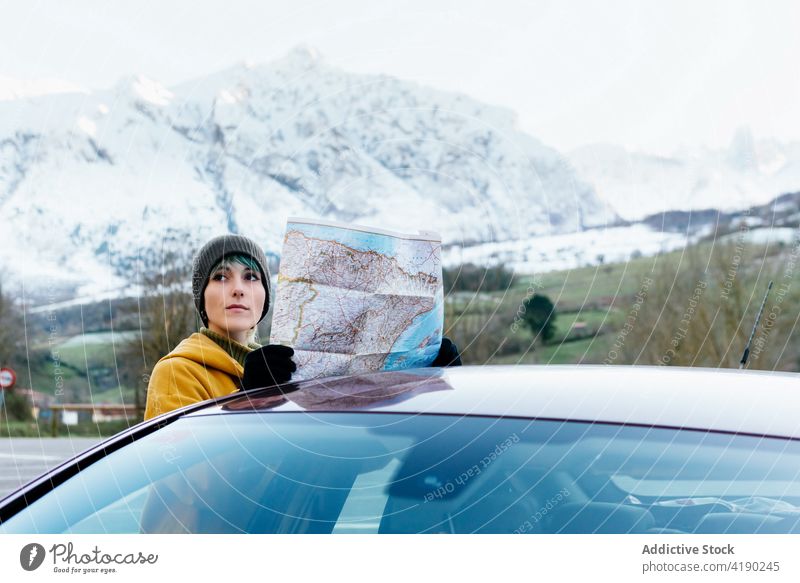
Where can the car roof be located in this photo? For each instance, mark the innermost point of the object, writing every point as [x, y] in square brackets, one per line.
[753, 402]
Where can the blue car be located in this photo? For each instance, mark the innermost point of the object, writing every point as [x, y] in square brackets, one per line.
[524, 449]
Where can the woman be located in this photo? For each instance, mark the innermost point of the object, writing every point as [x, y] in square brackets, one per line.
[230, 284]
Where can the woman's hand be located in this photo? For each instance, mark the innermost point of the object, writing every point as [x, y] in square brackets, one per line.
[267, 366]
[448, 354]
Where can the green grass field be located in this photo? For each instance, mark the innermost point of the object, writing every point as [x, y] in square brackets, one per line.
[599, 299]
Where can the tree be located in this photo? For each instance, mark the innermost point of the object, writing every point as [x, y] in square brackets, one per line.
[12, 351]
[540, 316]
[165, 310]
[16, 407]
[471, 277]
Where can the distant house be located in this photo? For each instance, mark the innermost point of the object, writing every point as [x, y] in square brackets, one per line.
[74, 413]
[39, 401]
[580, 330]
[44, 406]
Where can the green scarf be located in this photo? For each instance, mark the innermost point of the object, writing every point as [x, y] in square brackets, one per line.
[237, 351]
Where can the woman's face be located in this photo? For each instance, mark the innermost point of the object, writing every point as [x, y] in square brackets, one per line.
[234, 299]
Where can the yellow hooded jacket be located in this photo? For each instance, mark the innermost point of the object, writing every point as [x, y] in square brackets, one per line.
[197, 369]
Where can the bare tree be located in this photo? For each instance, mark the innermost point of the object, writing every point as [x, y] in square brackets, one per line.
[12, 336]
[699, 311]
[12, 353]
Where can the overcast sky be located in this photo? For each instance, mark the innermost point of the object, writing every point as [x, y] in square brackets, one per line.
[647, 75]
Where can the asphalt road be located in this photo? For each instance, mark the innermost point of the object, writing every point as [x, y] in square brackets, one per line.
[22, 459]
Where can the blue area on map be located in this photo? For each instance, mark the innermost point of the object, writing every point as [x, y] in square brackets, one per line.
[406, 352]
[361, 241]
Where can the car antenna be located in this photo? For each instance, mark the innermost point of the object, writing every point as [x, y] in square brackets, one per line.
[746, 355]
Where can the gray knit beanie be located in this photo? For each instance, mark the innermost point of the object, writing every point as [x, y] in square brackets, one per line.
[212, 253]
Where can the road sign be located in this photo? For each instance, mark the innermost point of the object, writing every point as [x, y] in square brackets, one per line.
[7, 378]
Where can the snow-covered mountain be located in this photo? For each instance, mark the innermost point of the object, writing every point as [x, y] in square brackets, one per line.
[748, 172]
[89, 179]
[11, 89]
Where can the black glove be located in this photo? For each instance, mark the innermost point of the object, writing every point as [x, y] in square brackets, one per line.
[448, 354]
[267, 366]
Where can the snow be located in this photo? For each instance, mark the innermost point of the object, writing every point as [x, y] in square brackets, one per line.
[227, 97]
[12, 89]
[88, 179]
[86, 125]
[151, 91]
[785, 206]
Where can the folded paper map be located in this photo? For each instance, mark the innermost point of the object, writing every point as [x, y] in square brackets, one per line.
[354, 299]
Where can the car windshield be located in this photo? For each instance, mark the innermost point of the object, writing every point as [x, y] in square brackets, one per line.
[393, 473]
